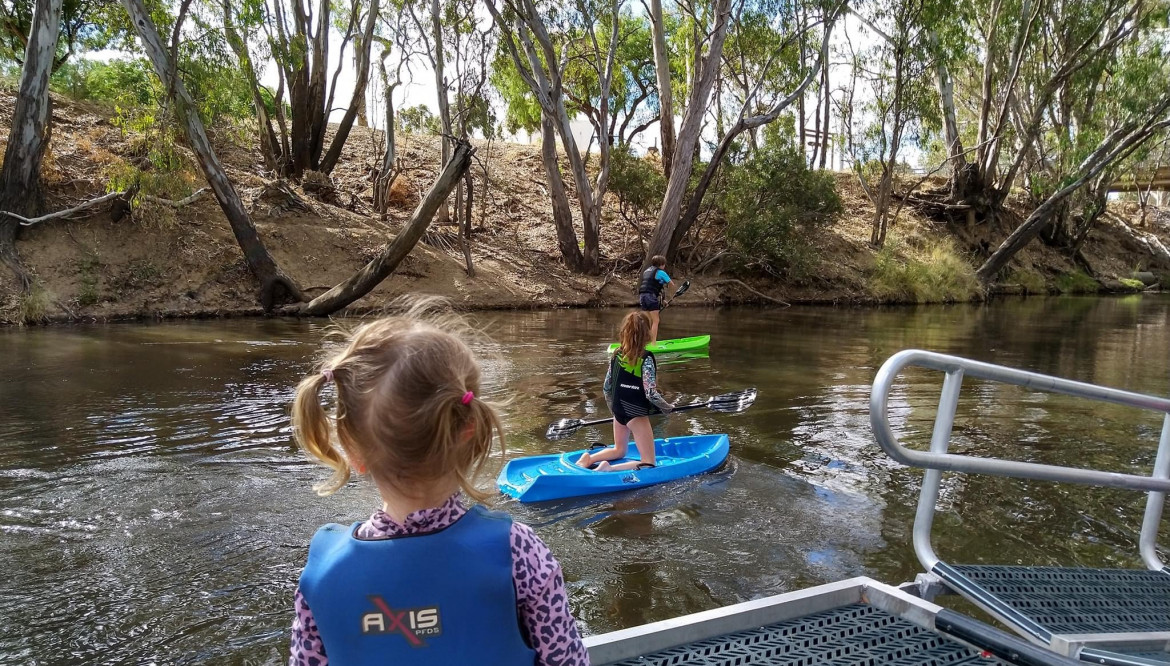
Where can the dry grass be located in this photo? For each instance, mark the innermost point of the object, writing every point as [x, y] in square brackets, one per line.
[933, 272]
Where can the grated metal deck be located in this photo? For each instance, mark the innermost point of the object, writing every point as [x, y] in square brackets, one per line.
[1070, 601]
[854, 635]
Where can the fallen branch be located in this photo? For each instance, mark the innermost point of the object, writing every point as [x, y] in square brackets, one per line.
[179, 203]
[379, 268]
[740, 283]
[63, 214]
[604, 284]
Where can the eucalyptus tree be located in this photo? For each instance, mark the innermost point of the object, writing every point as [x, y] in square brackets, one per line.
[901, 100]
[400, 46]
[523, 112]
[764, 63]
[296, 36]
[28, 136]
[709, 25]
[1092, 127]
[1022, 60]
[1047, 89]
[275, 286]
[543, 42]
[85, 25]
[664, 81]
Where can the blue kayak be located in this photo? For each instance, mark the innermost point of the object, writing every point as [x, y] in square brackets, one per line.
[557, 476]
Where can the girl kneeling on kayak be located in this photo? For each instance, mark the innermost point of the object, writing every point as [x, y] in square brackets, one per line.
[424, 579]
[631, 391]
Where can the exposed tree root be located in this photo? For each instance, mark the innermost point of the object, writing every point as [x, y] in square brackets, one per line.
[741, 284]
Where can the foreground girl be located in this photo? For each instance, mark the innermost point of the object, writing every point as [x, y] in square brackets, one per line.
[631, 391]
[424, 580]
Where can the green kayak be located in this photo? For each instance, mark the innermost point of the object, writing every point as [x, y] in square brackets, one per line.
[676, 345]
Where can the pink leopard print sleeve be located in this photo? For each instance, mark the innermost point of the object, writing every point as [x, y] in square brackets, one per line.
[543, 602]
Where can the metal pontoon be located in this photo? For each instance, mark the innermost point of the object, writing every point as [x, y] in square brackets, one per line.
[1118, 617]
[1103, 616]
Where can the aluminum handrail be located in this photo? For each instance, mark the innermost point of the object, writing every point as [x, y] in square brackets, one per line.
[937, 460]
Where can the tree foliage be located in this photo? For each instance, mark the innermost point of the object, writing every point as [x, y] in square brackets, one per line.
[1050, 101]
[774, 204]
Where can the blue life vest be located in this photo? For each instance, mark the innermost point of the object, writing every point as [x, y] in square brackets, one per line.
[440, 598]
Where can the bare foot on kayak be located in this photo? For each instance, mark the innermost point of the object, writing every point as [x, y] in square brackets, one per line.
[584, 461]
[603, 466]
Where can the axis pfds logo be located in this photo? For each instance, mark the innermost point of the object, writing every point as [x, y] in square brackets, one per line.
[415, 624]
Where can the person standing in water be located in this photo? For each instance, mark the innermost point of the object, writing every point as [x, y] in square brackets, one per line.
[424, 579]
[654, 280]
[631, 391]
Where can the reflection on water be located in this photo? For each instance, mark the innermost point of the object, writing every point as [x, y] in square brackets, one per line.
[152, 507]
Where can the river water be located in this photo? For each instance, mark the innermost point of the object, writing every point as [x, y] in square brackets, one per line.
[153, 509]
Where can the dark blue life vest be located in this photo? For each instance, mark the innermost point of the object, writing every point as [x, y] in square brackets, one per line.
[440, 598]
[650, 283]
[629, 391]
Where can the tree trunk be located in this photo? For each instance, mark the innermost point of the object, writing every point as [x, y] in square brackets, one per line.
[1117, 145]
[359, 92]
[363, 119]
[886, 185]
[441, 92]
[688, 138]
[744, 124]
[373, 273]
[275, 286]
[562, 214]
[307, 52]
[662, 72]
[390, 156]
[469, 188]
[825, 137]
[20, 177]
[269, 145]
[816, 148]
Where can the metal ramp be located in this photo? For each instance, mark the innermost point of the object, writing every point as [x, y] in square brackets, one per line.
[1119, 617]
[857, 622]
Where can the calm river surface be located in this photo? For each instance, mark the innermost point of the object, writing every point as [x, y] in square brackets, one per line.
[153, 509]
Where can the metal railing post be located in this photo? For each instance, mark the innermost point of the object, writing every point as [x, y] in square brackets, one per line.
[948, 403]
[1148, 543]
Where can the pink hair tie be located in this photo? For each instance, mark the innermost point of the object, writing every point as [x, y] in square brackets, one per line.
[468, 397]
[328, 375]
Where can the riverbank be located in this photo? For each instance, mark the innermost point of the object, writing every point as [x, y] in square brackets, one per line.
[167, 262]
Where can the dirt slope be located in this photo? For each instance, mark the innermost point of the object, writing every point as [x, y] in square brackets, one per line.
[161, 262]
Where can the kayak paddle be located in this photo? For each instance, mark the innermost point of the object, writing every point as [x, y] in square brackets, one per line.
[728, 403]
[681, 290]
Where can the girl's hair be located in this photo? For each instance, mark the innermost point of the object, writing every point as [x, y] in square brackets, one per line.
[658, 261]
[408, 404]
[634, 336]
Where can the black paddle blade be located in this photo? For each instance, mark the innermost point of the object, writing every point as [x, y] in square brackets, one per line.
[562, 429]
[683, 289]
[733, 403]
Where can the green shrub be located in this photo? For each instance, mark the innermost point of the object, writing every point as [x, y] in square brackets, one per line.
[87, 270]
[774, 203]
[34, 305]
[1031, 281]
[638, 185]
[122, 82]
[1077, 283]
[208, 73]
[1136, 285]
[418, 120]
[940, 275]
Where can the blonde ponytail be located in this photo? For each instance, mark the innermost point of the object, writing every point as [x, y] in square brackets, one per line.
[313, 433]
[403, 408]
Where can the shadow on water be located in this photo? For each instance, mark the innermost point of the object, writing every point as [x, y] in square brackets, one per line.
[153, 507]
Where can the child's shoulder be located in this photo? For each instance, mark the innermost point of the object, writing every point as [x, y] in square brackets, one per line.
[526, 544]
[534, 565]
